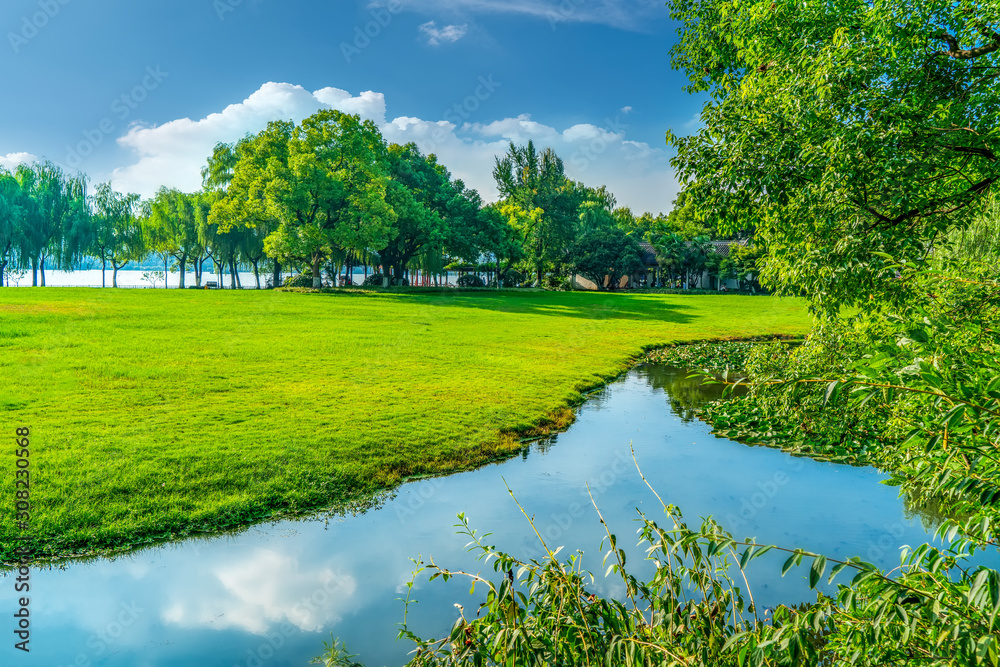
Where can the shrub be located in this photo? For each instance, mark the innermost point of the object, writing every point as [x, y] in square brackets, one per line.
[374, 280]
[301, 280]
[470, 280]
[555, 282]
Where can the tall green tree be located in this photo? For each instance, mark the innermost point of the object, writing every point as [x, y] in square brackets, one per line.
[11, 213]
[117, 232]
[844, 131]
[243, 176]
[534, 180]
[173, 228]
[418, 191]
[333, 193]
[55, 224]
[434, 213]
[504, 230]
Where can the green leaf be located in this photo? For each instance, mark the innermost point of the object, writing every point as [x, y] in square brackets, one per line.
[816, 572]
[832, 390]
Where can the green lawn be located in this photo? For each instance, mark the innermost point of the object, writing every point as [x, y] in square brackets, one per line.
[158, 413]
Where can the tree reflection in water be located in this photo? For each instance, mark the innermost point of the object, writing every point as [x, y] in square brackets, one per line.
[685, 394]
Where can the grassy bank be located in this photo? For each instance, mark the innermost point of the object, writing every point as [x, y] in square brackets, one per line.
[157, 413]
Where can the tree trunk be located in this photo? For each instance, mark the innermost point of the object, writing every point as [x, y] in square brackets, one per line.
[276, 277]
[114, 276]
[256, 271]
[183, 268]
[3, 272]
[41, 267]
[34, 272]
[104, 269]
[317, 278]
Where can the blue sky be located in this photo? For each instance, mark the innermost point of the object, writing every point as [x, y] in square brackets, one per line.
[139, 92]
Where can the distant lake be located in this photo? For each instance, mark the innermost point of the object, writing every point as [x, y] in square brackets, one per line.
[133, 278]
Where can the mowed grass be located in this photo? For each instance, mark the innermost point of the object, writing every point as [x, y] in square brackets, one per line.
[155, 414]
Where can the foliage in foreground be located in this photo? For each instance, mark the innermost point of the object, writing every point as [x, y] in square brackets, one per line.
[698, 608]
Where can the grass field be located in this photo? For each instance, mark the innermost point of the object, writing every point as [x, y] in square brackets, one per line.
[155, 414]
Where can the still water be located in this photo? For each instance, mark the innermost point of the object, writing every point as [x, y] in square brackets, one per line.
[138, 278]
[270, 596]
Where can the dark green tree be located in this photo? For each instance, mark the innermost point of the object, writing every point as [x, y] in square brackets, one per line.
[605, 255]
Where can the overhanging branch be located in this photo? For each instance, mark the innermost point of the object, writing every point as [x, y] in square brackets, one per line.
[955, 51]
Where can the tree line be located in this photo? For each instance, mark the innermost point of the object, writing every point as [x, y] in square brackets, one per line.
[330, 194]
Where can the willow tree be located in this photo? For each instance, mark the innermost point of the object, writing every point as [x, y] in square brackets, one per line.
[55, 222]
[117, 233]
[841, 130]
[172, 228]
[11, 212]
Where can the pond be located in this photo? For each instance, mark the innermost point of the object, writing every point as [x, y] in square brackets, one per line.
[271, 595]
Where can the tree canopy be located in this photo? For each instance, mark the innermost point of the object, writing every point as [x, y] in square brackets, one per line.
[840, 130]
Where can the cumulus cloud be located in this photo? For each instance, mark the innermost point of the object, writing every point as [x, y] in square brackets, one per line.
[246, 595]
[11, 160]
[448, 34]
[172, 154]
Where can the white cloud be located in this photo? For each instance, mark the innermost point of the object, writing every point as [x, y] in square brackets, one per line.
[693, 124]
[246, 595]
[639, 175]
[450, 33]
[626, 110]
[624, 14]
[11, 160]
[172, 154]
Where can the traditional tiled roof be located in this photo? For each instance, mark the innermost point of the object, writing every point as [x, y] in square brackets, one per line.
[647, 253]
[725, 247]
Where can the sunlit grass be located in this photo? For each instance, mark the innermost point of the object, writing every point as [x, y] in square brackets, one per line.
[157, 413]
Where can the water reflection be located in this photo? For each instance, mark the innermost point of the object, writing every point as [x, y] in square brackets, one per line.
[686, 392]
[270, 595]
